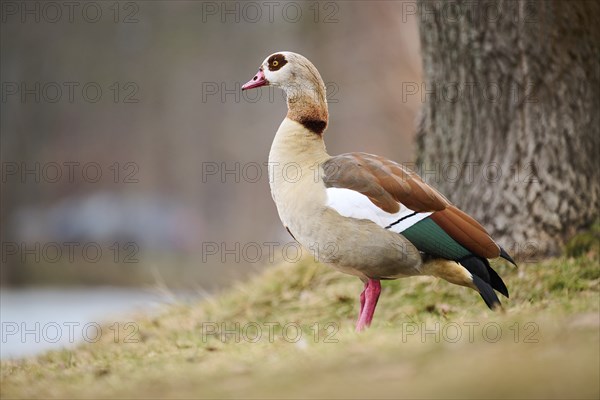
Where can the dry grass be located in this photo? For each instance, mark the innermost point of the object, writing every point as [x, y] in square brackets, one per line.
[548, 346]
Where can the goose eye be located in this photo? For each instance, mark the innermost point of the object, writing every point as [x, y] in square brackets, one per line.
[276, 62]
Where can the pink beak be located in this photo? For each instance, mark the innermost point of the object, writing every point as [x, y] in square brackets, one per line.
[258, 81]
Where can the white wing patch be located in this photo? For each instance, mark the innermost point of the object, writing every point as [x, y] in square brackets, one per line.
[350, 203]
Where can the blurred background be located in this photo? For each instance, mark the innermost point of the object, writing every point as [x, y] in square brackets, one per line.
[131, 158]
[133, 167]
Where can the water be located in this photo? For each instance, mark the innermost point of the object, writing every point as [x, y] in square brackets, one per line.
[37, 320]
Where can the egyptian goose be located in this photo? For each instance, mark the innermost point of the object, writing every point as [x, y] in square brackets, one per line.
[363, 214]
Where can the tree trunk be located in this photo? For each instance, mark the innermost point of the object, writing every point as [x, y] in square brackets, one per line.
[510, 130]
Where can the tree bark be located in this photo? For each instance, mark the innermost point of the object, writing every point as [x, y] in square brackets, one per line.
[510, 128]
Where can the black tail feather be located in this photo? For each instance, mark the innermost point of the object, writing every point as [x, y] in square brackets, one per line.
[507, 256]
[497, 282]
[485, 278]
[475, 266]
[487, 293]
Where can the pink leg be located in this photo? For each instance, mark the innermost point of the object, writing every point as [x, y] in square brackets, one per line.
[371, 295]
[362, 299]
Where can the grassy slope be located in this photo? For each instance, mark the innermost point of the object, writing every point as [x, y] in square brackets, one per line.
[560, 297]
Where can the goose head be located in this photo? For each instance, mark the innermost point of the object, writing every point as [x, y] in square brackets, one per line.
[301, 82]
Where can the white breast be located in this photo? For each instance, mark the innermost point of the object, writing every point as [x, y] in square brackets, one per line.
[294, 174]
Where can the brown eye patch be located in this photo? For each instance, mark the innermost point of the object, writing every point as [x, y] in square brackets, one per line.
[276, 61]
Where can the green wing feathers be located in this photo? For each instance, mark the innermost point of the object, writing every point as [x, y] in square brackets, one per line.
[428, 237]
[453, 235]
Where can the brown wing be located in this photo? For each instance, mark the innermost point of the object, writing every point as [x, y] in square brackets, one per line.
[387, 183]
[384, 182]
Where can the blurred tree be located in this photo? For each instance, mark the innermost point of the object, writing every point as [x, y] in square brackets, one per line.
[510, 124]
